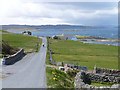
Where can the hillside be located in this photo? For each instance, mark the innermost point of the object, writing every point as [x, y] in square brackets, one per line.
[12, 41]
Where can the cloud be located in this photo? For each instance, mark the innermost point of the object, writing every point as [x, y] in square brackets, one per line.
[21, 12]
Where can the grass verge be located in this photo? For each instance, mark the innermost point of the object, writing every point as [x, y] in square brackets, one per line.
[58, 79]
[101, 84]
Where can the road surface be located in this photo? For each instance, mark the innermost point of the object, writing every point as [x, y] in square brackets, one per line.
[30, 72]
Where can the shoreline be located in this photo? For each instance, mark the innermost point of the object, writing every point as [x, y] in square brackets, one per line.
[98, 40]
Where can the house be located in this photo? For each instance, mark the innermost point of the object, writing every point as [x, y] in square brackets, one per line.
[63, 37]
[27, 33]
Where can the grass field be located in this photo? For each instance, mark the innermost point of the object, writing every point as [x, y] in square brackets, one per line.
[28, 43]
[76, 52]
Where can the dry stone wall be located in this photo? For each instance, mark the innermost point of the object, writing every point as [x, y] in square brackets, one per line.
[14, 58]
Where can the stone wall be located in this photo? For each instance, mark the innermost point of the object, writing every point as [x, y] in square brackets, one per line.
[50, 51]
[104, 78]
[53, 62]
[80, 85]
[14, 58]
[107, 71]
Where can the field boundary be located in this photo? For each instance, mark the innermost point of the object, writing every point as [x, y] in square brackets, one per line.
[14, 58]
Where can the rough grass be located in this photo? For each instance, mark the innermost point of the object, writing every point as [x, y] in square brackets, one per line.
[85, 54]
[29, 43]
[58, 79]
[81, 37]
[101, 84]
[3, 31]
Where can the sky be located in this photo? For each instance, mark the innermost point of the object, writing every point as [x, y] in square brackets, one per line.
[34, 12]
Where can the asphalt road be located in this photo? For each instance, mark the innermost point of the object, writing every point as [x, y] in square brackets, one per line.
[30, 72]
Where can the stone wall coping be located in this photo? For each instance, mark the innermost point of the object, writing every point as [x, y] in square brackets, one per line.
[14, 54]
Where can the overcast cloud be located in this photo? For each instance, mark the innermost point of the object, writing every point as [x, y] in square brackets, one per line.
[39, 13]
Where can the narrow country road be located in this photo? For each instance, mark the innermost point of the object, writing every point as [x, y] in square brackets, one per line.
[30, 72]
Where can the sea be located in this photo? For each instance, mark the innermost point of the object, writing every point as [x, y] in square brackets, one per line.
[103, 32]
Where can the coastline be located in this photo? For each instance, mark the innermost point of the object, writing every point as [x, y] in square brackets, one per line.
[98, 40]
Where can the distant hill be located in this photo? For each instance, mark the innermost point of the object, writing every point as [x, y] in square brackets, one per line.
[5, 27]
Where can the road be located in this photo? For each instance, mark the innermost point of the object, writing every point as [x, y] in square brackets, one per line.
[30, 72]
